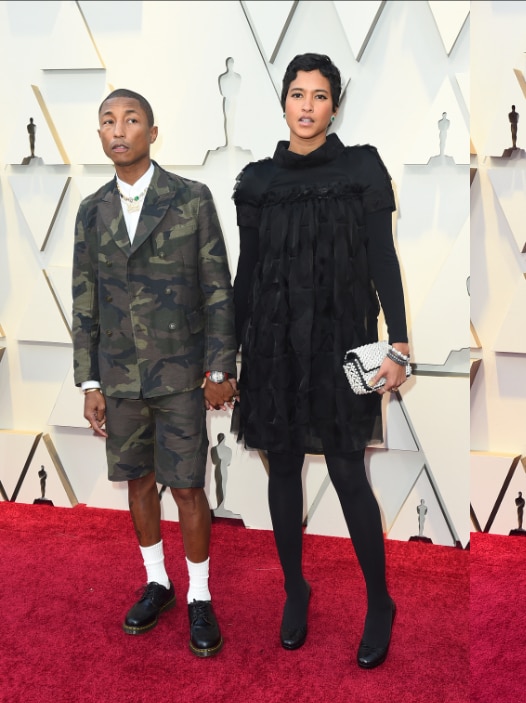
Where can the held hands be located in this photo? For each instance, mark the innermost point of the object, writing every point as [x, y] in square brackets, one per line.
[220, 396]
[95, 412]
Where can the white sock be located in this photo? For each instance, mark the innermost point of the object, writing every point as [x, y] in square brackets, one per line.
[198, 575]
[153, 558]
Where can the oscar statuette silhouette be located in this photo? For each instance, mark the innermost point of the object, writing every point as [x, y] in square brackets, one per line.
[422, 512]
[42, 474]
[519, 502]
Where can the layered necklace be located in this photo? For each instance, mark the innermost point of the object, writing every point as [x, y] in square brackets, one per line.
[133, 204]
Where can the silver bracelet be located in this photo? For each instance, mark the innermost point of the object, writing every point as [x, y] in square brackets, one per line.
[399, 354]
[397, 359]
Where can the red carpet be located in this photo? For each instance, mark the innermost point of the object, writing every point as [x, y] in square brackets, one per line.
[498, 623]
[69, 575]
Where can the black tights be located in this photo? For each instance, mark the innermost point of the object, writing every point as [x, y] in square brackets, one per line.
[362, 516]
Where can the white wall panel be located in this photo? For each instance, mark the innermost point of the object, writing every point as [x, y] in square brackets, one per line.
[212, 71]
[498, 283]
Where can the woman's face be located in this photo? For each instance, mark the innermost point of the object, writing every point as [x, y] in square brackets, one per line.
[309, 106]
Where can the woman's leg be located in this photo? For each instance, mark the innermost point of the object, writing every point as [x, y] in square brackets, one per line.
[362, 515]
[285, 496]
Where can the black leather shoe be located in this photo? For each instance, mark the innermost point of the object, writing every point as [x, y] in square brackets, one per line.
[369, 657]
[294, 637]
[205, 636]
[145, 613]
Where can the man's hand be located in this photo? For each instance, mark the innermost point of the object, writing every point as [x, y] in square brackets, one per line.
[220, 396]
[95, 412]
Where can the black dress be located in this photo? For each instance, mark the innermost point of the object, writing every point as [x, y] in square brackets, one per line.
[316, 245]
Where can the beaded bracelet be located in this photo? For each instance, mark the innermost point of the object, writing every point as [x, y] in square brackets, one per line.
[398, 353]
[396, 359]
[397, 356]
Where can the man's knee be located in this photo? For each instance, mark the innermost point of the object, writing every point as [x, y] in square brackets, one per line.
[189, 499]
[140, 487]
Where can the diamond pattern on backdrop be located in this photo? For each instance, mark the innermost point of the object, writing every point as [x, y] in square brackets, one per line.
[263, 38]
[450, 18]
[504, 474]
[509, 184]
[44, 477]
[39, 194]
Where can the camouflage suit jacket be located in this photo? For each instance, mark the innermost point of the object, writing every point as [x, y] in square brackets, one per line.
[151, 316]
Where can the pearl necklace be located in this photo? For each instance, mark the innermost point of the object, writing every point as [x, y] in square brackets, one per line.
[133, 204]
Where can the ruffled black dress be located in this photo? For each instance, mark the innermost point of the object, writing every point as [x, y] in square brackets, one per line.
[316, 258]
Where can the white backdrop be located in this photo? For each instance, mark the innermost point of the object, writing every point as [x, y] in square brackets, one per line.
[212, 71]
[498, 265]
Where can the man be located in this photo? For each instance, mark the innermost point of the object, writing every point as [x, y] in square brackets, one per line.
[154, 347]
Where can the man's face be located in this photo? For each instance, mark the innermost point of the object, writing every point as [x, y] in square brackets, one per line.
[124, 131]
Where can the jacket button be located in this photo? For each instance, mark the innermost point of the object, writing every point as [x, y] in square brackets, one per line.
[109, 333]
[167, 291]
[161, 254]
[172, 326]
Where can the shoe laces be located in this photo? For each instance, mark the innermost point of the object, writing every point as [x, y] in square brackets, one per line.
[201, 611]
[151, 591]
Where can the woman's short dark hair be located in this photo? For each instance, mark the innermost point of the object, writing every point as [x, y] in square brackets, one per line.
[125, 93]
[313, 62]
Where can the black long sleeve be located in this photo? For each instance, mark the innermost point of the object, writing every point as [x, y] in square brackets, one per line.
[248, 258]
[385, 272]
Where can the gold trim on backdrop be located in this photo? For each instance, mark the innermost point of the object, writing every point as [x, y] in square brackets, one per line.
[60, 470]
[26, 466]
[57, 303]
[473, 370]
[51, 124]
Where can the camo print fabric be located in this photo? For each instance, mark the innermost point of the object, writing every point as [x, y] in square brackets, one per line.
[167, 433]
[150, 317]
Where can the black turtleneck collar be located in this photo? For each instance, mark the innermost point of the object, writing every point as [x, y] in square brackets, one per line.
[328, 151]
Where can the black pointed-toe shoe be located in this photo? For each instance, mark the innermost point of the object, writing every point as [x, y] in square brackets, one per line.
[293, 637]
[145, 613]
[369, 657]
[205, 635]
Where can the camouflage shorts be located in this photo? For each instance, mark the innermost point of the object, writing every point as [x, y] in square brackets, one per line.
[166, 434]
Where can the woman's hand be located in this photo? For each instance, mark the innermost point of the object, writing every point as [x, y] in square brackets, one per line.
[220, 396]
[395, 375]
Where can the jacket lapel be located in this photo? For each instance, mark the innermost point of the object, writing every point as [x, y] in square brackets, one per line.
[156, 204]
[113, 222]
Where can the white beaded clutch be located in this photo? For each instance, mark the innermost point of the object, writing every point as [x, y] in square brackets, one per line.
[362, 363]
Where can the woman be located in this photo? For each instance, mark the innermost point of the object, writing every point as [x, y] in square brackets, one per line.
[316, 254]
